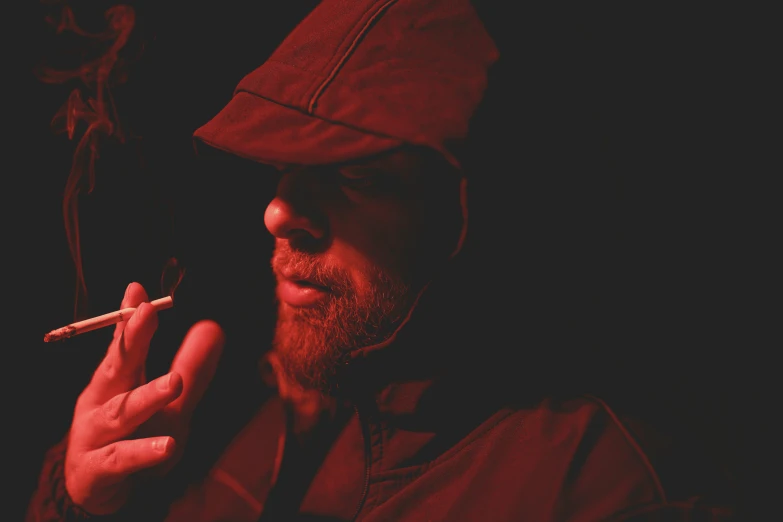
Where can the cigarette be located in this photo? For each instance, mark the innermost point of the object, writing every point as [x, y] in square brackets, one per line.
[104, 320]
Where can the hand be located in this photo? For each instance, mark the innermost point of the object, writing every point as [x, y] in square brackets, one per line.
[123, 424]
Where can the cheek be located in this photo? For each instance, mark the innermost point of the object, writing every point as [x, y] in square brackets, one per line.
[383, 238]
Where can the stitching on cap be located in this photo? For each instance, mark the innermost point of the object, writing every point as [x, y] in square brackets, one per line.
[348, 52]
[327, 120]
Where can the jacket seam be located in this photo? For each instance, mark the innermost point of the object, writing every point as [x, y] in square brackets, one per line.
[221, 476]
[377, 496]
[634, 444]
[414, 472]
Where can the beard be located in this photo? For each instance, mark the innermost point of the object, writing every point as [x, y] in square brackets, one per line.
[312, 344]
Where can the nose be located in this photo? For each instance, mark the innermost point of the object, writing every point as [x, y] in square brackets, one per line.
[293, 213]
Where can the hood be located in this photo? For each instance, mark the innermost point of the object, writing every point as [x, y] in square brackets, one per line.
[360, 77]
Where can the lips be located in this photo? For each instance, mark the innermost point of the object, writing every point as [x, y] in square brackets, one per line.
[301, 293]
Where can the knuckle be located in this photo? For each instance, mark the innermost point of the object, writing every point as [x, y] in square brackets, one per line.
[122, 340]
[113, 409]
[145, 314]
[148, 397]
[111, 458]
[110, 369]
[140, 314]
[109, 425]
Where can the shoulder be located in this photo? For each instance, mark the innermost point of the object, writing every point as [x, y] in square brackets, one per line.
[594, 442]
[632, 465]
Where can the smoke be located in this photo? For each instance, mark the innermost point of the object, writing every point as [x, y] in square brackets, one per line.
[171, 276]
[90, 106]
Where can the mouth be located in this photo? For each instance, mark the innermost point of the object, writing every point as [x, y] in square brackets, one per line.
[301, 293]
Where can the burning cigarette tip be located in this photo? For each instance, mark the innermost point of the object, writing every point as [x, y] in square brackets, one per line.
[61, 333]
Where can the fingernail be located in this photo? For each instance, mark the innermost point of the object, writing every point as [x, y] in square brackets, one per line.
[127, 290]
[161, 445]
[164, 383]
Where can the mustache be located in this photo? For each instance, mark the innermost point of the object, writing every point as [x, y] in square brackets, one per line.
[295, 264]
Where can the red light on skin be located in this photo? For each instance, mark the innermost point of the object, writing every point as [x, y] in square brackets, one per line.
[300, 294]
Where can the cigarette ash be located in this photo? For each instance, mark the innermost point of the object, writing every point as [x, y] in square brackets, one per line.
[61, 333]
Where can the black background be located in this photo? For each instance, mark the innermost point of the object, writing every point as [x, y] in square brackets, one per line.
[634, 114]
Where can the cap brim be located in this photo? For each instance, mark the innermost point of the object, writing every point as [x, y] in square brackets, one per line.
[264, 131]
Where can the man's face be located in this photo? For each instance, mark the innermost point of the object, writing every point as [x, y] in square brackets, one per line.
[354, 245]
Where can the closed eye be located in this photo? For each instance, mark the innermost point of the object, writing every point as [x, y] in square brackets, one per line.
[360, 178]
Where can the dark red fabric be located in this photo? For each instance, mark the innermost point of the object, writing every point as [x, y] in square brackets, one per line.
[260, 130]
[358, 77]
[462, 460]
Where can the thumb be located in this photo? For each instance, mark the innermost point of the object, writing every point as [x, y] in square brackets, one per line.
[196, 361]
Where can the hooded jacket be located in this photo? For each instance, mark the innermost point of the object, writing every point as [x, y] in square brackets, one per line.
[437, 423]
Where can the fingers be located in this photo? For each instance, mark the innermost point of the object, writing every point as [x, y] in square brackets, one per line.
[134, 295]
[115, 462]
[124, 413]
[122, 369]
[196, 361]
